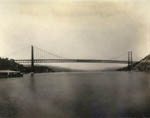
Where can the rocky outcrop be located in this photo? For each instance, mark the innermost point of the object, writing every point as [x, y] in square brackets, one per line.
[143, 65]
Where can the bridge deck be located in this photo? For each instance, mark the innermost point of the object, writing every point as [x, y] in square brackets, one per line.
[71, 61]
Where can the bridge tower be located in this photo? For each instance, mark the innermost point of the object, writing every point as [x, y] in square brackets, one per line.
[130, 60]
[32, 58]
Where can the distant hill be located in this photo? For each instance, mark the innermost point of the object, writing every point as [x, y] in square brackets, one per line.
[42, 68]
[143, 65]
[63, 69]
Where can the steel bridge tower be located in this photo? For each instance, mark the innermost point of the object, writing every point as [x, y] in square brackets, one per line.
[130, 60]
[32, 58]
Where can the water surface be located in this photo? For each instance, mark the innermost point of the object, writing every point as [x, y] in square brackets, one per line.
[76, 95]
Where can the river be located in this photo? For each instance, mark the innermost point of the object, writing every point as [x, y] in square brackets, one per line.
[76, 95]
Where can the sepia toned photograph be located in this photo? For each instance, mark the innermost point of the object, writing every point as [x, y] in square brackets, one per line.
[74, 58]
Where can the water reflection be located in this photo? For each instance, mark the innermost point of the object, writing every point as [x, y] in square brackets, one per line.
[8, 106]
[86, 105]
[78, 95]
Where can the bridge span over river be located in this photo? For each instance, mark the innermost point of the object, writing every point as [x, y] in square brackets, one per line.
[59, 59]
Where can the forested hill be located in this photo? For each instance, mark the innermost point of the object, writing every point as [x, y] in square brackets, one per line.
[10, 64]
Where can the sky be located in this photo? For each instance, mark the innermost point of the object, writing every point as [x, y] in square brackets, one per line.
[94, 29]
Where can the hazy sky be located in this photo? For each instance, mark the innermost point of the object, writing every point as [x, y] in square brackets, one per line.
[76, 28]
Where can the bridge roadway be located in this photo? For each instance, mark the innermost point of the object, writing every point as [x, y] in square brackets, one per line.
[71, 61]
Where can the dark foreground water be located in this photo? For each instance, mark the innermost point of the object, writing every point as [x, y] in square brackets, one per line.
[76, 95]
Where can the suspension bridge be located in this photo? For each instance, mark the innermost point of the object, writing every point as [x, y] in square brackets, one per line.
[58, 59]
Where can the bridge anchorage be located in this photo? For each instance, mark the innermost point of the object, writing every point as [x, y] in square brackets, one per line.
[59, 59]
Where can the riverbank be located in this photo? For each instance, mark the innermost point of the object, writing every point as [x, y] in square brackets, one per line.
[10, 74]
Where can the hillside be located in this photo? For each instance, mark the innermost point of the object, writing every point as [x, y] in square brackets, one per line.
[143, 65]
[10, 64]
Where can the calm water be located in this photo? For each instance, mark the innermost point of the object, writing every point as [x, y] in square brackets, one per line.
[76, 95]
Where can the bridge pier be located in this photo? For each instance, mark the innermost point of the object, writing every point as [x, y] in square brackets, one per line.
[130, 60]
[32, 58]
